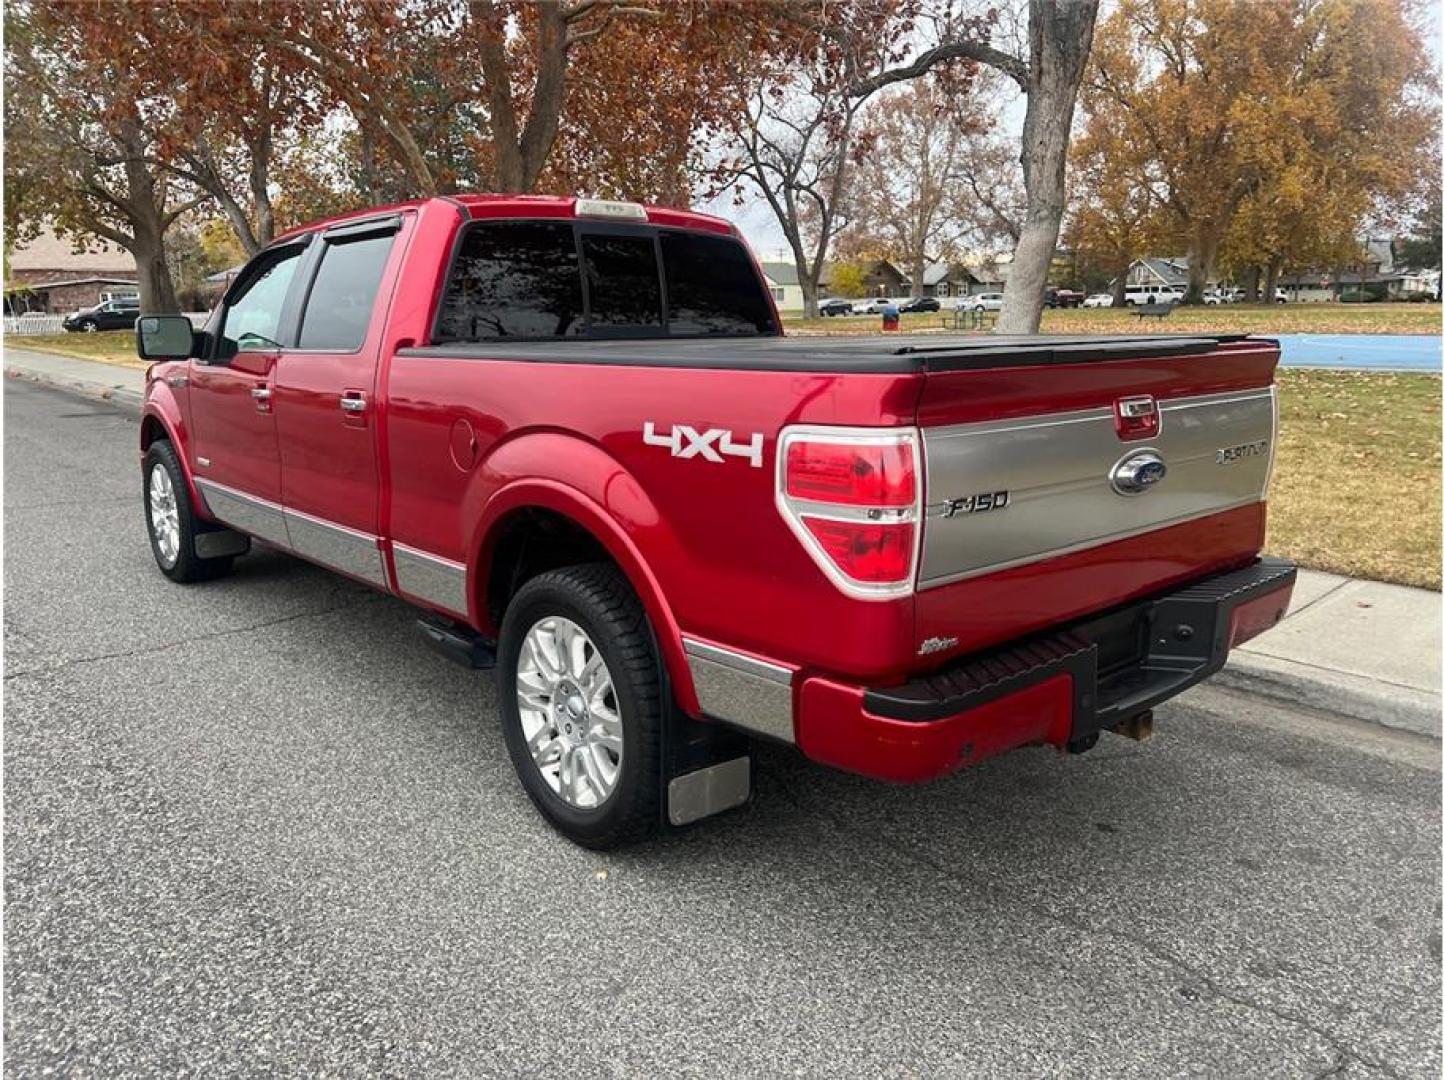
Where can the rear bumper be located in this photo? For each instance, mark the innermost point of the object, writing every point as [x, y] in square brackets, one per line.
[1058, 687]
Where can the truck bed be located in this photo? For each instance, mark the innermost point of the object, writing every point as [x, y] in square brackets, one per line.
[864, 354]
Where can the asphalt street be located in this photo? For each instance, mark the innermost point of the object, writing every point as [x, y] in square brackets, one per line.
[256, 826]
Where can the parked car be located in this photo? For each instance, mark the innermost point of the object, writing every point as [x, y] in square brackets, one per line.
[987, 301]
[1099, 299]
[117, 314]
[1062, 298]
[670, 529]
[835, 307]
[922, 303]
[878, 304]
[1152, 294]
[1213, 298]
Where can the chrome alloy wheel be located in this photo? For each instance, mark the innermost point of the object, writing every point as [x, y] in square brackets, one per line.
[569, 713]
[164, 515]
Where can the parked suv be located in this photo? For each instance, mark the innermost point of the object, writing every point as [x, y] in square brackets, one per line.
[117, 314]
[835, 307]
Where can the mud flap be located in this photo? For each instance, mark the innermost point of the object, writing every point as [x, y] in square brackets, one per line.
[706, 769]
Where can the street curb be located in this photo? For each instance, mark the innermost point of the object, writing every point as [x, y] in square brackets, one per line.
[123, 396]
[1402, 708]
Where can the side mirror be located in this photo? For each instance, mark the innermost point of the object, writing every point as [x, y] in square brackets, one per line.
[164, 337]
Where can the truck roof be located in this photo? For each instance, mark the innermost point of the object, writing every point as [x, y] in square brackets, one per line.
[879, 353]
[478, 205]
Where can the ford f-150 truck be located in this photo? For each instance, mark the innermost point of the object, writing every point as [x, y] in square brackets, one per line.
[572, 433]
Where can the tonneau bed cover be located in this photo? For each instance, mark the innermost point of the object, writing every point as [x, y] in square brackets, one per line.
[870, 353]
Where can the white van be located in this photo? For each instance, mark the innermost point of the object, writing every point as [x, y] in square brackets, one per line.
[1152, 294]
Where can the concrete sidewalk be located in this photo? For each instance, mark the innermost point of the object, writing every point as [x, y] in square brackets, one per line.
[1360, 648]
[122, 385]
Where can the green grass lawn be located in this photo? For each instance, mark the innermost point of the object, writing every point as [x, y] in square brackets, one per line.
[1356, 480]
[107, 346]
[1224, 319]
[1357, 483]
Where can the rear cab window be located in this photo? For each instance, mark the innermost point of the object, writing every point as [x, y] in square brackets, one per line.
[545, 280]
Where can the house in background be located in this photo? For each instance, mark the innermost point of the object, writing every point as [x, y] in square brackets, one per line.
[1376, 273]
[944, 280]
[49, 275]
[1172, 272]
[989, 275]
[782, 283]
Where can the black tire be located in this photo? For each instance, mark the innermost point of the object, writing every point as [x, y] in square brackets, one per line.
[600, 601]
[187, 566]
[89, 326]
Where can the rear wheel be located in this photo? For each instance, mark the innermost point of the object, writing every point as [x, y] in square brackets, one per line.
[581, 704]
[171, 519]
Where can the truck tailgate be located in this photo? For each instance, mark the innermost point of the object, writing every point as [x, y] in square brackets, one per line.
[1031, 505]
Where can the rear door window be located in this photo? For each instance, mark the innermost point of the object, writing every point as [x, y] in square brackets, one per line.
[513, 279]
[338, 311]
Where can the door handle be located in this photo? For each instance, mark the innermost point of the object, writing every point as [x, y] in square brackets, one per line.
[261, 395]
[353, 402]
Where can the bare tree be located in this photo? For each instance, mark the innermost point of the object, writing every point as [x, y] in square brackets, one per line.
[937, 179]
[1060, 35]
[796, 145]
[800, 137]
[906, 187]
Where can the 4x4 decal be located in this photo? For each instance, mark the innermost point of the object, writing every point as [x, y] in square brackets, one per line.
[710, 445]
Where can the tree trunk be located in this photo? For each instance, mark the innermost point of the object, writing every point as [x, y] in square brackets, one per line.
[1272, 281]
[157, 291]
[265, 228]
[919, 271]
[1250, 286]
[1120, 286]
[145, 207]
[1202, 254]
[809, 293]
[1060, 33]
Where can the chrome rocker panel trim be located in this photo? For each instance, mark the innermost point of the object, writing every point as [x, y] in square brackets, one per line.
[742, 690]
[336, 546]
[260, 518]
[430, 577]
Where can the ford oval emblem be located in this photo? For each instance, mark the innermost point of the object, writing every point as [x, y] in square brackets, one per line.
[1135, 473]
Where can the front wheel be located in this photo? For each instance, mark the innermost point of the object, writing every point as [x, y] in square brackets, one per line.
[89, 326]
[582, 708]
[171, 519]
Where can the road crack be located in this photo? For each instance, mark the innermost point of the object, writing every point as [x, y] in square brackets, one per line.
[198, 639]
[1209, 984]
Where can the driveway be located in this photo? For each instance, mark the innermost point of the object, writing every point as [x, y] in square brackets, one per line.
[255, 826]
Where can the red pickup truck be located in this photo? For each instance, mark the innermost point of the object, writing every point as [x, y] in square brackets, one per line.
[572, 432]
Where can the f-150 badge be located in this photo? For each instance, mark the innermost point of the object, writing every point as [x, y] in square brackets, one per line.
[710, 445]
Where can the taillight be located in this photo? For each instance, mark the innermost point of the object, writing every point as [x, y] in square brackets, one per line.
[852, 474]
[853, 497]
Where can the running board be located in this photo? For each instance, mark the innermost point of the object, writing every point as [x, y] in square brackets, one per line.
[458, 643]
